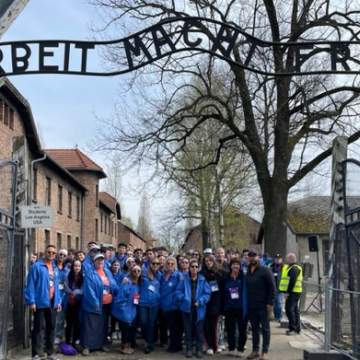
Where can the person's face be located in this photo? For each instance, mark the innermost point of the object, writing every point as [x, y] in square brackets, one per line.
[170, 264]
[108, 254]
[196, 255]
[138, 254]
[77, 267]
[162, 260]
[136, 272]
[130, 253]
[150, 255]
[33, 257]
[99, 263]
[61, 256]
[121, 250]
[185, 264]
[209, 263]
[155, 264]
[235, 268]
[220, 255]
[194, 268]
[50, 254]
[253, 260]
[245, 257]
[115, 267]
[130, 263]
[112, 251]
[81, 256]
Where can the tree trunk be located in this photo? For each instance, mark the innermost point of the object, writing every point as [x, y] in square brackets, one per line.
[275, 219]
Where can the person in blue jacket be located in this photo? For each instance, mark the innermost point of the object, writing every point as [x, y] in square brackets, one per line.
[235, 307]
[125, 307]
[121, 254]
[193, 293]
[43, 297]
[98, 289]
[88, 263]
[169, 305]
[118, 276]
[149, 303]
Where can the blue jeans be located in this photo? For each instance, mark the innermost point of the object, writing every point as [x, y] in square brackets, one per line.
[148, 318]
[278, 305]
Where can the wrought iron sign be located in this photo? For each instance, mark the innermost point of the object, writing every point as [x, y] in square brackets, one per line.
[171, 36]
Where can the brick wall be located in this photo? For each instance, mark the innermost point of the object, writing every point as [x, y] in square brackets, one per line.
[65, 224]
[127, 236]
[91, 208]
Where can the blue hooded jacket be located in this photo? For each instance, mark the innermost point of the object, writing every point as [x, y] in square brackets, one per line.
[235, 293]
[119, 277]
[63, 274]
[150, 290]
[203, 293]
[122, 260]
[87, 264]
[38, 286]
[168, 301]
[93, 289]
[123, 306]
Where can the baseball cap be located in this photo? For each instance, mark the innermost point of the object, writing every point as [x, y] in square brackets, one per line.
[99, 256]
[252, 253]
[208, 251]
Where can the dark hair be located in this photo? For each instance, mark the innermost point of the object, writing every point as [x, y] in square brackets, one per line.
[234, 261]
[122, 244]
[215, 267]
[79, 251]
[51, 246]
[138, 249]
[149, 249]
[71, 277]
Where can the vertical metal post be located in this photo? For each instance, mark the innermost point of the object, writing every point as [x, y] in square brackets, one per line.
[337, 217]
[9, 262]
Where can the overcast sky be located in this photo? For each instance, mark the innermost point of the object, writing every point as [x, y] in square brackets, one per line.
[65, 107]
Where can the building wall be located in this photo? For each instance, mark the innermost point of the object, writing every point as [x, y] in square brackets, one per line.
[311, 257]
[128, 237]
[91, 206]
[108, 233]
[66, 228]
[8, 133]
[194, 241]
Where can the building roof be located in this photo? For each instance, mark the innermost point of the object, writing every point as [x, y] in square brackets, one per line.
[75, 160]
[26, 116]
[311, 215]
[110, 202]
[132, 231]
[55, 166]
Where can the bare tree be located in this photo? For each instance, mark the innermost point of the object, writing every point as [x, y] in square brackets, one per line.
[113, 182]
[286, 123]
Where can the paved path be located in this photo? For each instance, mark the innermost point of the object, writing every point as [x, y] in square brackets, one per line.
[282, 348]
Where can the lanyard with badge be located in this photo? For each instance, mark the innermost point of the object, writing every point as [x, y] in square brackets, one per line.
[234, 293]
[214, 285]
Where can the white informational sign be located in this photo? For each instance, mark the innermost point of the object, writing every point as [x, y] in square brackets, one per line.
[36, 216]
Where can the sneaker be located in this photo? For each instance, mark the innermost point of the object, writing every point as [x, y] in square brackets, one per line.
[39, 357]
[253, 355]
[130, 350]
[188, 353]
[85, 352]
[290, 332]
[210, 352]
[219, 350]
[222, 347]
[114, 336]
[232, 353]
[57, 341]
[264, 356]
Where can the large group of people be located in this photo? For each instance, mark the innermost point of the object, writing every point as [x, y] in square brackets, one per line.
[193, 301]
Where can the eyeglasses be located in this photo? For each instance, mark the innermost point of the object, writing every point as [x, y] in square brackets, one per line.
[195, 254]
[171, 263]
[51, 252]
[155, 263]
[61, 254]
[194, 266]
[136, 271]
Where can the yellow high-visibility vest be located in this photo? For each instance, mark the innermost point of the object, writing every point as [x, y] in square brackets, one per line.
[285, 279]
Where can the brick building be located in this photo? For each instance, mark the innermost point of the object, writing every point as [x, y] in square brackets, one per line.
[129, 236]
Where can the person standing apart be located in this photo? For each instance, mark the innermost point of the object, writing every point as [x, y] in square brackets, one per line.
[235, 308]
[99, 286]
[291, 285]
[149, 303]
[260, 287]
[193, 293]
[276, 268]
[43, 297]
